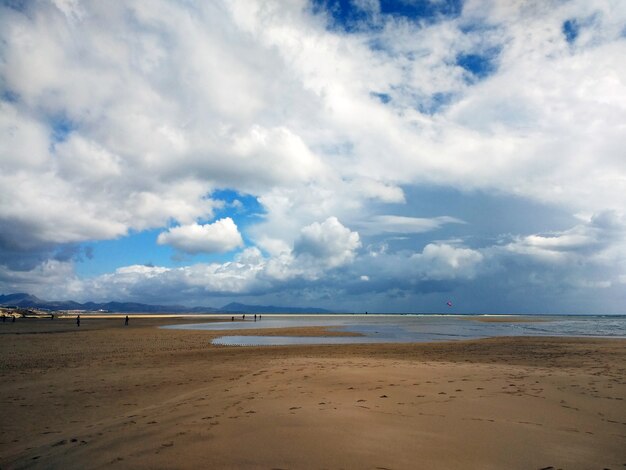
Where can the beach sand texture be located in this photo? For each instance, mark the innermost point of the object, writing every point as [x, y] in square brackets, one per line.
[109, 396]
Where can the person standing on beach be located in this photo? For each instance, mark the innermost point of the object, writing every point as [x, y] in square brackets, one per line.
[77, 320]
[126, 321]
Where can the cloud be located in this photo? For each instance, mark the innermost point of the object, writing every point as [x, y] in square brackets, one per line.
[385, 280]
[328, 243]
[275, 102]
[218, 237]
[600, 239]
[402, 224]
[442, 261]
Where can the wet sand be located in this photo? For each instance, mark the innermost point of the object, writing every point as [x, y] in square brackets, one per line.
[502, 319]
[106, 395]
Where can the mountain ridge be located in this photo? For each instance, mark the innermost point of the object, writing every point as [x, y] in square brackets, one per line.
[25, 300]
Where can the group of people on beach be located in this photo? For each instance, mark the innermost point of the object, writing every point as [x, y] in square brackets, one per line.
[243, 317]
[4, 319]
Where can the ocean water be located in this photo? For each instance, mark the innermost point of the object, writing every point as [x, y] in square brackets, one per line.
[415, 328]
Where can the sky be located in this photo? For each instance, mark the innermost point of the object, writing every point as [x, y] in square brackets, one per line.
[355, 155]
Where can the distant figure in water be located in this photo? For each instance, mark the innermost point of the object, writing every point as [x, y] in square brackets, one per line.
[232, 318]
[52, 316]
[255, 317]
[244, 316]
[77, 320]
[126, 321]
[259, 316]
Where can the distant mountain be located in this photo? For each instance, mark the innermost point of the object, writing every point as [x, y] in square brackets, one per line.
[26, 300]
[235, 307]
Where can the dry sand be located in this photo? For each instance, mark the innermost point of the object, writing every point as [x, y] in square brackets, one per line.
[106, 395]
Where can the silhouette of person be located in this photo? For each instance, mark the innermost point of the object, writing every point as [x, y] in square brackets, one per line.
[126, 321]
[77, 320]
[52, 316]
[255, 317]
[244, 316]
[232, 318]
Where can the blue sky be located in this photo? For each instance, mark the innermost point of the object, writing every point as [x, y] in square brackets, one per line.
[142, 248]
[349, 154]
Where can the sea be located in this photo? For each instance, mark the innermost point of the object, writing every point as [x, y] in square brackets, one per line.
[409, 328]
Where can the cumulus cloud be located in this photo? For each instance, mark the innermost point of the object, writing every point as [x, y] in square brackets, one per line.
[443, 261]
[321, 249]
[328, 243]
[218, 237]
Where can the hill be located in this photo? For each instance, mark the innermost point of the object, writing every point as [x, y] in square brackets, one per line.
[25, 300]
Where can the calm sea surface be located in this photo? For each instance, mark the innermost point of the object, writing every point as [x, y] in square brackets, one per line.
[415, 328]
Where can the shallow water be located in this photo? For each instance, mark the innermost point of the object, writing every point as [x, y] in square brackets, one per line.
[413, 328]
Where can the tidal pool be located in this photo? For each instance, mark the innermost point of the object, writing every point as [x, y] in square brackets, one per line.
[412, 328]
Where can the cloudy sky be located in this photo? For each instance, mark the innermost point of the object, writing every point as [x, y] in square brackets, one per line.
[354, 154]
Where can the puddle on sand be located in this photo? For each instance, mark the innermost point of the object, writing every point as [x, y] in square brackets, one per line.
[289, 340]
[409, 328]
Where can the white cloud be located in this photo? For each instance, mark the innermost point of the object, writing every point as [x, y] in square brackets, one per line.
[442, 261]
[402, 224]
[598, 240]
[328, 243]
[274, 102]
[218, 237]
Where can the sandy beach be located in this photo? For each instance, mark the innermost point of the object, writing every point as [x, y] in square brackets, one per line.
[104, 395]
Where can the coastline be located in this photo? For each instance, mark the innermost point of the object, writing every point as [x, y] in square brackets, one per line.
[145, 397]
